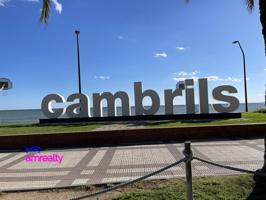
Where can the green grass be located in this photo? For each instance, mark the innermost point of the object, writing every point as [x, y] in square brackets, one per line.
[250, 117]
[204, 188]
[16, 129]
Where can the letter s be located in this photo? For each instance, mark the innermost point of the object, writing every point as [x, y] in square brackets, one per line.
[233, 101]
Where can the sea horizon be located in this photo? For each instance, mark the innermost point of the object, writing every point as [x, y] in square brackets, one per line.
[20, 109]
[33, 115]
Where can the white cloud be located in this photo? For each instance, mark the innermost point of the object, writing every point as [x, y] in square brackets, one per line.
[120, 37]
[213, 78]
[182, 73]
[227, 79]
[161, 55]
[102, 77]
[260, 95]
[181, 76]
[184, 78]
[180, 48]
[58, 6]
[3, 3]
[265, 69]
[234, 79]
[210, 78]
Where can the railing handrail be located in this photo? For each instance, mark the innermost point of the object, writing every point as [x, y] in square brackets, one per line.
[131, 182]
[187, 159]
[225, 166]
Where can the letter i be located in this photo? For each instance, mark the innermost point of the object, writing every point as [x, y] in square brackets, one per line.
[203, 95]
[190, 98]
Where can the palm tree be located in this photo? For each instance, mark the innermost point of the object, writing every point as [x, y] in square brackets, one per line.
[46, 9]
[262, 7]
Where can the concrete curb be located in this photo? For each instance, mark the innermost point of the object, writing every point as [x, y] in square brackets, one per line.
[132, 136]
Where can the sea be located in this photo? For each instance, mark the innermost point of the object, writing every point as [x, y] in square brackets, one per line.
[33, 115]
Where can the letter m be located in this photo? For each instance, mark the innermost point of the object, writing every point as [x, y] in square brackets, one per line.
[111, 105]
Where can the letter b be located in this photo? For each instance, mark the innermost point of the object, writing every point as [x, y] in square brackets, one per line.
[139, 96]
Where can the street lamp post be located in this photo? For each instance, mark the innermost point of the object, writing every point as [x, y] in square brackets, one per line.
[77, 34]
[245, 79]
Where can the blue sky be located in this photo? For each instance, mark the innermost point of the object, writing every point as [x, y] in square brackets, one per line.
[123, 41]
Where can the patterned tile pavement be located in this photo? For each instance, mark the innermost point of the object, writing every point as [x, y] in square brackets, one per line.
[86, 166]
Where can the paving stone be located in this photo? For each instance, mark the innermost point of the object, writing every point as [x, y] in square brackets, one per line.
[2, 155]
[87, 172]
[27, 185]
[119, 164]
[70, 159]
[30, 174]
[97, 158]
[202, 168]
[80, 181]
[231, 153]
[19, 155]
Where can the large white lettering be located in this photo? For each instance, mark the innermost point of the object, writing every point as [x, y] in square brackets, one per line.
[82, 108]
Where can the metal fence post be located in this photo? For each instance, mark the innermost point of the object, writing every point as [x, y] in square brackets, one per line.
[187, 152]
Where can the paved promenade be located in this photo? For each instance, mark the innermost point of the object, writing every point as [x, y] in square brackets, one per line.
[85, 166]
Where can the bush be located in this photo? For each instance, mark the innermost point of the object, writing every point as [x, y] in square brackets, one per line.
[262, 110]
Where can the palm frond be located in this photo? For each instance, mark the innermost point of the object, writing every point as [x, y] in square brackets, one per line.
[250, 5]
[46, 8]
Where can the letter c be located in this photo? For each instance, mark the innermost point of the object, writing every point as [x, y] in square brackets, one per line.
[47, 106]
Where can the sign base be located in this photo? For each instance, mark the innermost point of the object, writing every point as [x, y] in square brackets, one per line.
[211, 116]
